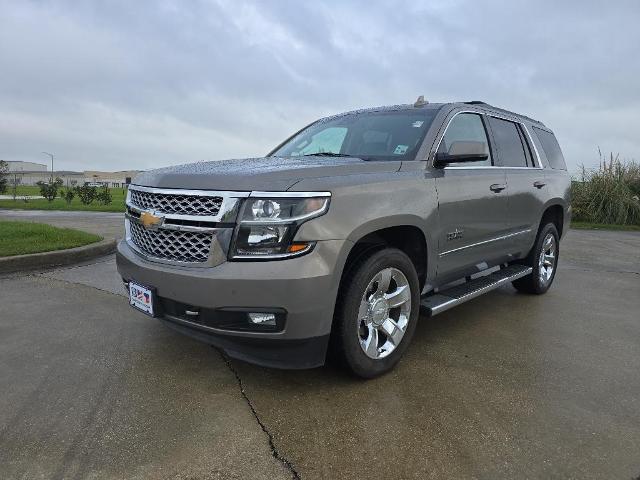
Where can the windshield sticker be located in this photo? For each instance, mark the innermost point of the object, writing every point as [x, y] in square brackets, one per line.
[417, 123]
[401, 149]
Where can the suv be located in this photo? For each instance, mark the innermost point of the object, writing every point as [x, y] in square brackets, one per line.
[346, 230]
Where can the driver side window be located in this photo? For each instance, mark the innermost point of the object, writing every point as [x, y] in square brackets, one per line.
[466, 127]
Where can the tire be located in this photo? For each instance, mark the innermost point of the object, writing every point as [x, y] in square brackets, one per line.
[371, 332]
[544, 268]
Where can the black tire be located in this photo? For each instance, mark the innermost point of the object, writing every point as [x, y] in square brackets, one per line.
[347, 334]
[534, 283]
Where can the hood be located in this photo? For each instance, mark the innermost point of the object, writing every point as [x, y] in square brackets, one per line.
[267, 173]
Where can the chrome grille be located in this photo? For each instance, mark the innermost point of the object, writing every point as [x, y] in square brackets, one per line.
[174, 245]
[180, 204]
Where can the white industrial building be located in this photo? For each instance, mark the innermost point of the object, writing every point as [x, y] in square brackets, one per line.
[27, 167]
[30, 173]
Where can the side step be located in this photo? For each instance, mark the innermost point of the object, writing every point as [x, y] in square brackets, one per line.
[446, 299]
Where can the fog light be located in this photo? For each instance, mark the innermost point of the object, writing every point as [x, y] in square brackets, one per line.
[263, 318]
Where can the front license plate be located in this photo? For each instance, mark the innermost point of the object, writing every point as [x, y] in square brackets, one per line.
[141, 298]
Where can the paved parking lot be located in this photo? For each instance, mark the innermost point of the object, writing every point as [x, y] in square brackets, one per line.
[505, 386]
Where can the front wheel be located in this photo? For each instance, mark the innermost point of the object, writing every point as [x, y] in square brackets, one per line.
[377, 312]
[543, 258]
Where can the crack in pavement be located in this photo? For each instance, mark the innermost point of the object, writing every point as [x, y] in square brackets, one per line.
[40, 276]
[274, 451]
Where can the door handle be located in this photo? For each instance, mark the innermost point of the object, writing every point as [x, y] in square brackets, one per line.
[497, 187]
[539, 184]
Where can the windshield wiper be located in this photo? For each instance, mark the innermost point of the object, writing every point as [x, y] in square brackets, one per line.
[326, 154]
[329, 154]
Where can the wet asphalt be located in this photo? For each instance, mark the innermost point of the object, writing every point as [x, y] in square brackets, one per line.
[505, 386]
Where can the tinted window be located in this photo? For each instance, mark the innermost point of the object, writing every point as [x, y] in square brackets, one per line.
[466, 127]
[327, 140]
[371, 135]
[508, 142]
[551, 149]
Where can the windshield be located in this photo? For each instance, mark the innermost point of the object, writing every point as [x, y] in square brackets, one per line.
[381, 135]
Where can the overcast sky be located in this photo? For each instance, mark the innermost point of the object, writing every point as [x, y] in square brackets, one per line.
[113, 85]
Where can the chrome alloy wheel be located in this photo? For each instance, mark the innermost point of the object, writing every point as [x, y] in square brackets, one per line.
[547, 260]
[384, 313]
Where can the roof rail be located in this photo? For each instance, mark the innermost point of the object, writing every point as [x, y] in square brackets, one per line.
[479, 102]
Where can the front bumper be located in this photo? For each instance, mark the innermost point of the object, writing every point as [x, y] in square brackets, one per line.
[304, 288]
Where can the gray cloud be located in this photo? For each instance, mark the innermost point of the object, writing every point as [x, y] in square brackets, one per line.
[116, 85]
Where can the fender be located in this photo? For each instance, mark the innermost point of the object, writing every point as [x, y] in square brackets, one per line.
[391, 221]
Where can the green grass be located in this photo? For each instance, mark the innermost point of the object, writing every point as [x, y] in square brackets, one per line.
[23, 190]
[608, 195]
[117, 205]
[604, 226]
[19, 238]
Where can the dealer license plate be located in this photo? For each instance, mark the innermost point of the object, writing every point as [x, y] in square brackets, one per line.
[141, 298]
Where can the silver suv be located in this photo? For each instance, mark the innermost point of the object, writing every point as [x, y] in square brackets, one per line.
[339, 237]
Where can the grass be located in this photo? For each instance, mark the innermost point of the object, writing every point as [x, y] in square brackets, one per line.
[19, 238]
[609, 195]
[604, 226]
[117, 205]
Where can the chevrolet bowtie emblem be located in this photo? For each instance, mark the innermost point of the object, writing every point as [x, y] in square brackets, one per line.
[151, 221]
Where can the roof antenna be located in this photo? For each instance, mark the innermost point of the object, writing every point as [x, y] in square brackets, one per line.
[421, 102]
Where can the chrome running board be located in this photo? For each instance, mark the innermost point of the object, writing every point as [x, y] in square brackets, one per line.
[444, 300]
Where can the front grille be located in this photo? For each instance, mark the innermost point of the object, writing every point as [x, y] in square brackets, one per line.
[174, 245]
[179, 204]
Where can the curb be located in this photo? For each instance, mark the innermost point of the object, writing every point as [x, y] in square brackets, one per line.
[56, 258]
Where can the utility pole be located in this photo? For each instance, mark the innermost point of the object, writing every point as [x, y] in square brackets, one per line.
[51, 155]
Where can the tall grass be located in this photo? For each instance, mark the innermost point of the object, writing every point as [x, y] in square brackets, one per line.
[609, 194]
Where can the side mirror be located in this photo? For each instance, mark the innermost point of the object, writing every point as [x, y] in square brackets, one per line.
[463, 152]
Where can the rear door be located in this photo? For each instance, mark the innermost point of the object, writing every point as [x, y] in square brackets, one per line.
[527, 189]
[555, 169]
[472, 204]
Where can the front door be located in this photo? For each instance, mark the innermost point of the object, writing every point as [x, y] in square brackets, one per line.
[472, 205]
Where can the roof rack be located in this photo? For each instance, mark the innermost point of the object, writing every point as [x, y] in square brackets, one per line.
[476, 102]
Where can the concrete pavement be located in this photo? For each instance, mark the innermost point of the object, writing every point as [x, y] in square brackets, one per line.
[505, 386]
[91, 389]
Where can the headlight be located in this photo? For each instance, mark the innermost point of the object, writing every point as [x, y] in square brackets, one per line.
[267, 225]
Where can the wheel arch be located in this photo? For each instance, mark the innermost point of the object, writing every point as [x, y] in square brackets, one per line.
[404, 233]
[554, 212]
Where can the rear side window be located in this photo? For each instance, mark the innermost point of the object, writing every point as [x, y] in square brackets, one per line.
[551, 149]
[509, 142]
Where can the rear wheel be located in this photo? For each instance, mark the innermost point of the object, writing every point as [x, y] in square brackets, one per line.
[543, 258]
[377, 312]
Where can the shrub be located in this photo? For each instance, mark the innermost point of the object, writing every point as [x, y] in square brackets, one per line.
[49, 190]
[4, 170]
[609, 194]
[86, 194]
[104, 196]
[68, 195]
